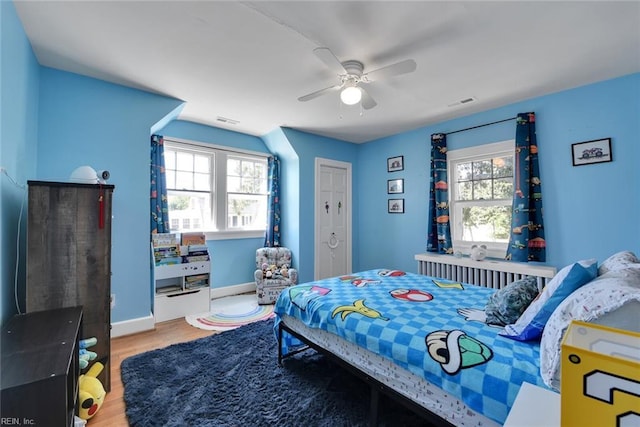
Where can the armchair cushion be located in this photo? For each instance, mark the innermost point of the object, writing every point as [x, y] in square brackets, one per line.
[276, 264]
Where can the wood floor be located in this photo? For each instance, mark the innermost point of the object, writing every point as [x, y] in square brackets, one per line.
[166, 333]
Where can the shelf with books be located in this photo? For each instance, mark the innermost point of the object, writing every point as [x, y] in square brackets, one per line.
[181, 275]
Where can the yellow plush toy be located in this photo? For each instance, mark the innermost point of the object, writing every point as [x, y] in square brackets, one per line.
[91, 392]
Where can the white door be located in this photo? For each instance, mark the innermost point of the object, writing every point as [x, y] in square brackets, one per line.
[333, 218]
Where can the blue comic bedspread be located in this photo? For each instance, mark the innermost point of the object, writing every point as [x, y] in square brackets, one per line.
[432, 327]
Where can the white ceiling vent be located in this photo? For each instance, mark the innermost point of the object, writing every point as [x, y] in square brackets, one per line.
[463, 101]
[227, 121]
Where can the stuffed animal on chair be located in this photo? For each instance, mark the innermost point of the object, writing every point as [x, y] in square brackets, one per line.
[91, 392]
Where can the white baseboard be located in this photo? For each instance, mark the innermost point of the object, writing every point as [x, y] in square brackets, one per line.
[147, 323]
[226, 291]
[133, 326]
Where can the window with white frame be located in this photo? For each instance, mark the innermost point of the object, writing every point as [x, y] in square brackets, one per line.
[480, 196]
[213, 189]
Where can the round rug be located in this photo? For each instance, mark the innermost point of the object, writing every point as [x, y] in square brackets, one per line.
[231, 312]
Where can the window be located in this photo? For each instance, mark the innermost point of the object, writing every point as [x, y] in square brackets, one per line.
[246, 192]
[481, 183]
[212, 189]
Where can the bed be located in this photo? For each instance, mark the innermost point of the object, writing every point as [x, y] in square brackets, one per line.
[422, 340]
[421, 336]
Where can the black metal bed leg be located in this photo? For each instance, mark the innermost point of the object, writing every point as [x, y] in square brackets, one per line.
[373, 410]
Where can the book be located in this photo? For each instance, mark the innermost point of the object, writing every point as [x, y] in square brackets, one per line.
[195, 258]
[189, 239]
[168, 289]
[164, 239]
[168, 260]
[196, 278]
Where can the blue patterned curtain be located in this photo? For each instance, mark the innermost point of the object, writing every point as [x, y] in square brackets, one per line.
[439, 232]
[527, 241]
[272, 234]
[159, 206]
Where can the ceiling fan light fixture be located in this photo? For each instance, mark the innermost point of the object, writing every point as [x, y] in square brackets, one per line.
[351, 95]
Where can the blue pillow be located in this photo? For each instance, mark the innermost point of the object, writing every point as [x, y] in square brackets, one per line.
[530, 325]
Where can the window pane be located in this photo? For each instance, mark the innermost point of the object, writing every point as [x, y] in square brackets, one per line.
[486, 223]
[465, 191]
[250, 185]
[482, 190]
[246, 176]
[189, 208]
[263, 186]
[201, 164]
[201, 182]
[169, 159]
[482, 169]
[261, 170]
[502, 167]
[234, 167]
[248, 211]
[184, 181]
[503, 188]
[184, 161]
[233, 184]
[171, 178]
[463, 171]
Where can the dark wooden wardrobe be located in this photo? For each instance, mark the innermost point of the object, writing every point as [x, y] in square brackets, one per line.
[69, 256]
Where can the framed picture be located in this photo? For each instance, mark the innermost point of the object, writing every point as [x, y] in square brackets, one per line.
[395, 164]
[396, 206]
[589, 152]
[395, 186]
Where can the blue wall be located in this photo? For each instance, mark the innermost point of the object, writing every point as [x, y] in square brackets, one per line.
[289, 193]
[84, 121]
[589, 211]
[53, 121]
[307, 148]
[18, 138]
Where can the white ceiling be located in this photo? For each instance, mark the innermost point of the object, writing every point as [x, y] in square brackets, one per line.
[250, 61]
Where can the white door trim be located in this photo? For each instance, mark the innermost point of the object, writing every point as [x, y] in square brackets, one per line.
[318, 203]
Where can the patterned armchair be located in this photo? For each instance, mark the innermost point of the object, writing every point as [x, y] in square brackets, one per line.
[273, 273]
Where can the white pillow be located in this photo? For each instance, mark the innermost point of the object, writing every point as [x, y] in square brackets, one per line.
[607, 293]
[619, 261]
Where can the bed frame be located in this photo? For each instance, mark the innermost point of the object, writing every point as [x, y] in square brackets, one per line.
[376, 386]
[489, 273]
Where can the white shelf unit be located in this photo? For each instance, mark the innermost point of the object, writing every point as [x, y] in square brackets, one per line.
[175, 296]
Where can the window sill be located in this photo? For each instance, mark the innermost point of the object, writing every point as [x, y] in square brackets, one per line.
[235, 234]
[496, 252]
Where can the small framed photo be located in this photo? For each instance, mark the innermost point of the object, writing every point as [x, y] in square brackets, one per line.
[396, 206]
[395, 164]
[589, 152]
[395, 186]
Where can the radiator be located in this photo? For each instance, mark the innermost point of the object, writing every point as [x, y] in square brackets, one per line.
[487, 273]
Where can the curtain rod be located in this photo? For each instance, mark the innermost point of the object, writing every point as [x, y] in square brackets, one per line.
[479, 126]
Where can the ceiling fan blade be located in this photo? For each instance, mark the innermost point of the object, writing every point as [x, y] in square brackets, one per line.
[367, 101]
[318, 93]
[329, 59]
[402, 67]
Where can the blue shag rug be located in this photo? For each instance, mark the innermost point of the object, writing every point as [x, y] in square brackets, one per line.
[233, 379]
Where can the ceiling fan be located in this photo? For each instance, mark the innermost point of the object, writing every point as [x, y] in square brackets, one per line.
[352, 78]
